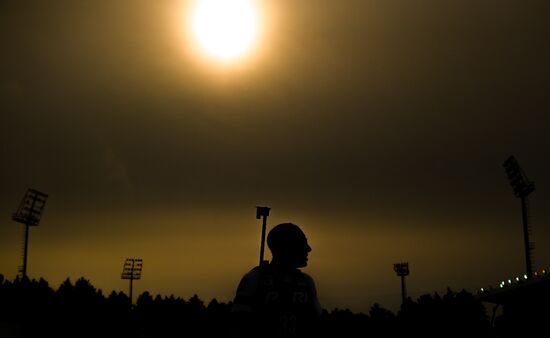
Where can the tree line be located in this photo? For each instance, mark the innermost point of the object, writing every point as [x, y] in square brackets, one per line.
[31, 308]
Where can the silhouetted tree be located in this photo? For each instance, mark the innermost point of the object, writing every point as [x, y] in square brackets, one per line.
[31, 308]
[453, 315]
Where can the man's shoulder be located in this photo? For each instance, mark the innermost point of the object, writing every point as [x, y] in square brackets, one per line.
[305, 276]
[254, 273]
[247, 291]
[250, 280]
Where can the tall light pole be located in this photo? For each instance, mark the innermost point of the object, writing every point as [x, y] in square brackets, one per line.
[29, 213]
[402, 270]
[522, 188]
[262, 212]
[132, 271]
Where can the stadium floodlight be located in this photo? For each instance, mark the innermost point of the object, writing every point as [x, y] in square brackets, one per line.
[518, 180]
[29, 214]
[522, 188]
[402, 270]
[262, 212]
[132, 271]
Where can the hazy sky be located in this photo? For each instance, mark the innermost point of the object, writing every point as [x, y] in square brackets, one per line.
[380, 127]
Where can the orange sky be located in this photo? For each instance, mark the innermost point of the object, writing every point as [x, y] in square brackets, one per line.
[379, 127]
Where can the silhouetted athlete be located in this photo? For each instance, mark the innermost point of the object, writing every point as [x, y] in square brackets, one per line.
[277, 299]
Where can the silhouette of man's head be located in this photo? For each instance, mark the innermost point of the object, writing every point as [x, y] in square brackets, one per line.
[288, 245]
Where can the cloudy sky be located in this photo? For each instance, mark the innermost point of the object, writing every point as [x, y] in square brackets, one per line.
[380, 127]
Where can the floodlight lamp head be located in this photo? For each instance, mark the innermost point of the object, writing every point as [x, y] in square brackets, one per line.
[132, 268]
[262, 211]
[402, 269]
[518, 180]
[31, 207]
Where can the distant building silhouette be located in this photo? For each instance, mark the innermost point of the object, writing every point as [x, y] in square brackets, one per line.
[525, 306]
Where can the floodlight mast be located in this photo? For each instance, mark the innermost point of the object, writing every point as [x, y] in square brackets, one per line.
[402, 270]
[132, 271]
[522, 188]
[262, 212]
[29, 213]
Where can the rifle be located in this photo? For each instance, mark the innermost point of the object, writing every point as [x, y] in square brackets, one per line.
[262, 212]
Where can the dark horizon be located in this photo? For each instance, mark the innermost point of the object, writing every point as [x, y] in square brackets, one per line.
[80, 308]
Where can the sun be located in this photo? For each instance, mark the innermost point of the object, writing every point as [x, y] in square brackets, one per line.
[225, 29]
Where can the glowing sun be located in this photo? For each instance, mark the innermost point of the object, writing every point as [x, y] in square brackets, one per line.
[225, 29]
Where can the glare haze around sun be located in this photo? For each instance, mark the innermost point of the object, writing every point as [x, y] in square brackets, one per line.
[225, 29]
